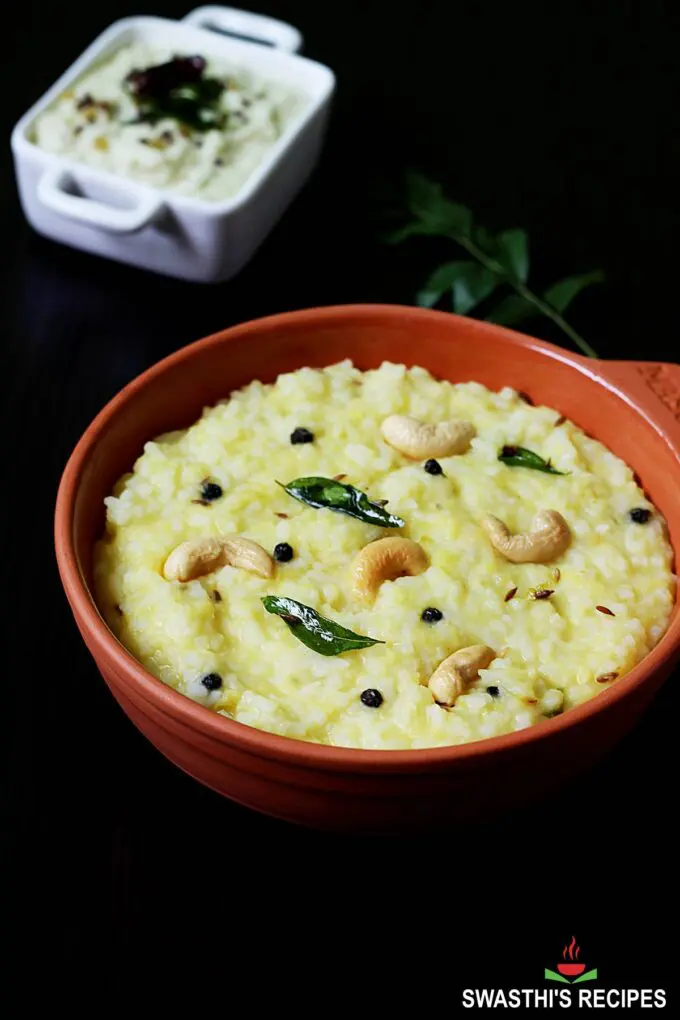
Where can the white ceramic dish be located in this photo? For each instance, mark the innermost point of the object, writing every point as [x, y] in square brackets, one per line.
[156, 229]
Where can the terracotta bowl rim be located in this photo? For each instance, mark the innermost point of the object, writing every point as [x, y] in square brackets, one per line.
[291, 749]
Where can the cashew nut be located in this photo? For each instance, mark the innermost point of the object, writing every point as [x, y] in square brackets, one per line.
[452, 676]
[201, 556]
[385, 560]
[548, 538]
[417, 440]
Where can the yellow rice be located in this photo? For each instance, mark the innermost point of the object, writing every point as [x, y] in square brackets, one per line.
[550, 653]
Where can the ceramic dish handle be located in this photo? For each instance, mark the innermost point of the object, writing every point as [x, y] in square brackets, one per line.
[53, 192]
[656, 388]
[244, 25]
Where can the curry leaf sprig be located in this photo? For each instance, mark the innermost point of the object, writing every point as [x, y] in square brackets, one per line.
[315, 631]
[497, 260]
[329, 494]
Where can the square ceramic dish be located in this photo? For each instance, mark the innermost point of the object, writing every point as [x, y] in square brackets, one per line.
[155, 228]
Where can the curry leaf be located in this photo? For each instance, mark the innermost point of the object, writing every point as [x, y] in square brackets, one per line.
[424, 195]
[415, 229]
[434, 211]
[443, 280]
[326, 493]
[178, 89]
[321, 635]
[561, 294]
[485, 240]
[512, 309]
[458, 219]
[513, 252]
[519, 456]
[472, 286]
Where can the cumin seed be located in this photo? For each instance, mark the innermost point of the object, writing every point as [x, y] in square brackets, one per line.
[510, 594]
[605, 678]
[541, 593]
[603, 609]
[338, 478]
[282, 515]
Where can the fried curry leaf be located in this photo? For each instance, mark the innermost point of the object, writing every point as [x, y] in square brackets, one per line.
[177, 89]
[321, 635]
[519, 456]
[344, 499]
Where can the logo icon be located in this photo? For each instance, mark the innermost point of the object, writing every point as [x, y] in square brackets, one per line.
[571, 971]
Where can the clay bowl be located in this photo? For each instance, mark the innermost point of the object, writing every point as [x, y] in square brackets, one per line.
[634, 408]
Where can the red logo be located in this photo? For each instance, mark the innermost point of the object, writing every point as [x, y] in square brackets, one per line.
[573, 968]
[570, 970]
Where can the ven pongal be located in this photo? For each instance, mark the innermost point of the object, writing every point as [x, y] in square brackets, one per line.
[383, 560]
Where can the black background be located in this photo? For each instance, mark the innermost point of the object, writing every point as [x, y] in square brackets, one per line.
[557, 117]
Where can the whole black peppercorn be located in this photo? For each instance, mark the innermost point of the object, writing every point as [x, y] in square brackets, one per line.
[640, 515]
[433, 467]
[212, 681]
[431, 615]
[283, 552]
[493, 691]
[301, 435]
[210, 490]
[371, 698]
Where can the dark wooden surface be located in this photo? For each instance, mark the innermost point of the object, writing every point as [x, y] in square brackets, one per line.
[556, 118]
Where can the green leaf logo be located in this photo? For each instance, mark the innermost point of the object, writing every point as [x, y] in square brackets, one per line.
[590, 975]
[552, 975]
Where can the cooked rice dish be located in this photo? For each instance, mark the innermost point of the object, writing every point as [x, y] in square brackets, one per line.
[440, 563]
